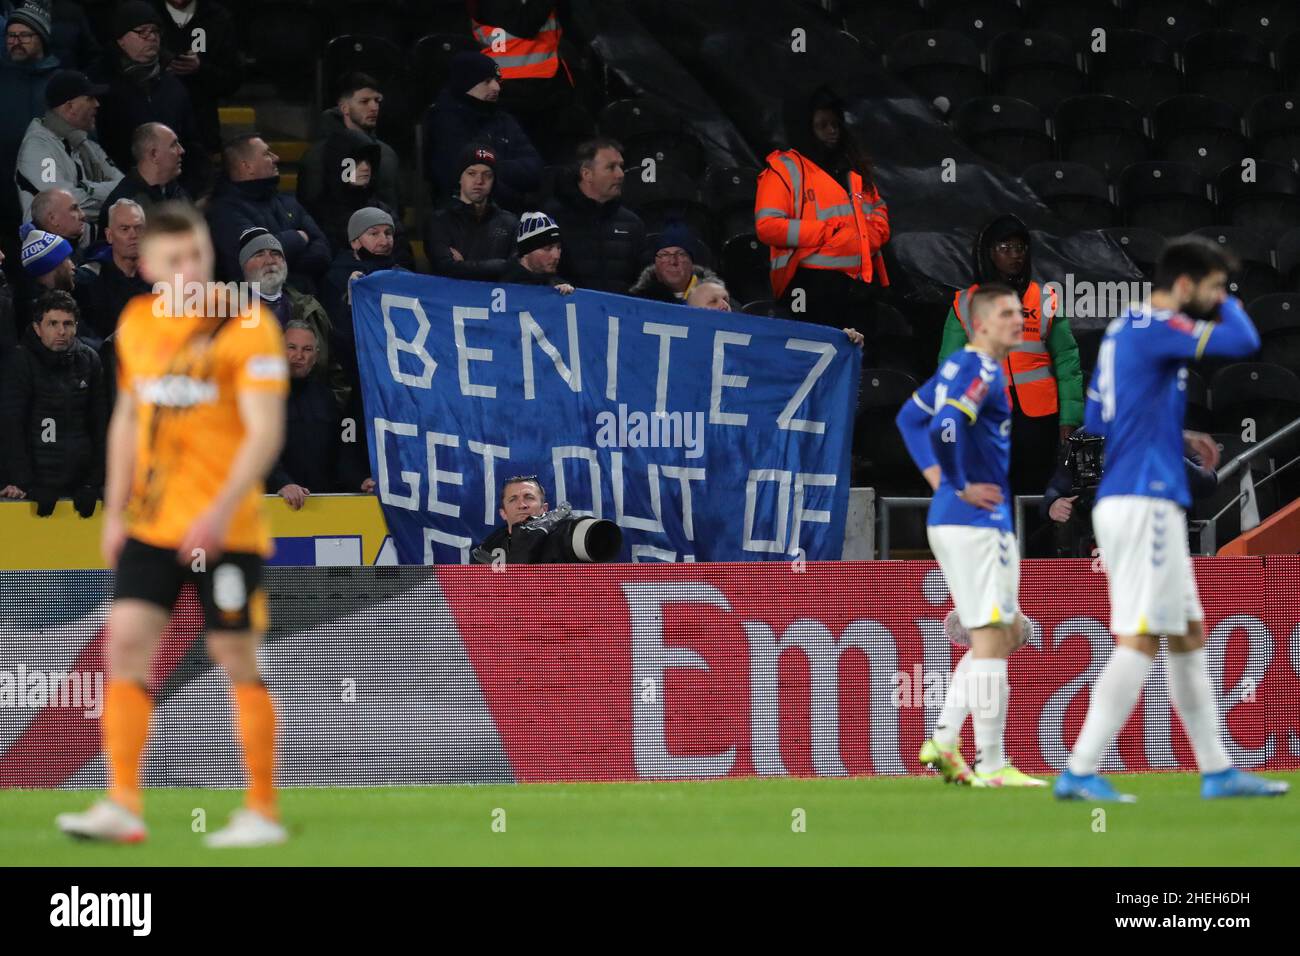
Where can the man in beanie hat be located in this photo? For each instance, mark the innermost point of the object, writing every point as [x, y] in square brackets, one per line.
[466, 112]
[673, 273]
[48, 264]
[371, 244]
[61, 138]
[142, 90]
[26, 66]
[537, 254]
[472, 237]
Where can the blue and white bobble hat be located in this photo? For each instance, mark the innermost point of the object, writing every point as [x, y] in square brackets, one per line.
[536, 229]
[42, 251]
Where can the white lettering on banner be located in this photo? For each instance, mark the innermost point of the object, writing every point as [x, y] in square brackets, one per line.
[432, 535]
[720, 380]
[465, 354]
[558, 454]
[640, 551]
[436, 477]
[1259, 654]
[685, 476]
[395, 345]
[823, 652]
[651, 659]
[410, 502]
[621, 517]
[782, 478]
[801, 480]
[666, 335]
[611, 360]
[1051, 720]
[529, 332]
[490, 453]
[786, 419]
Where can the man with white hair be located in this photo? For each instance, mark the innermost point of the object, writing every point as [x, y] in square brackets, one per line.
[57, 211]
[155, 177]
[262, 262]
[116, 278]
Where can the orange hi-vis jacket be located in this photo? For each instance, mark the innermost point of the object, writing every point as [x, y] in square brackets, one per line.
[522, 58]
[1028, 367]
[807, 219]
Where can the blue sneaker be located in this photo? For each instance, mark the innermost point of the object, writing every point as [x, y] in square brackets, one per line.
[1237, 783]
[1070, 786]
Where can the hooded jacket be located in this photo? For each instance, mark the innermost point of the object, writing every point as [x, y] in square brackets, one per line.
[602, 243]
[80, 166]
[457, 120]
[1058, 340]
[315, 171]
[648, 285]
[237, 206]
[66, 389]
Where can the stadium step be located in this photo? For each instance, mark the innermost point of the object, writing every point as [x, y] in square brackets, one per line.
[288, 182]
[237, 116]
[290, 150]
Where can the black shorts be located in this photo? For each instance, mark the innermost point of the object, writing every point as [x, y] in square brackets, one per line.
[230, 590]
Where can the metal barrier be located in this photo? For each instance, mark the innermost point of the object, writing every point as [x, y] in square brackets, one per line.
[1247, 486]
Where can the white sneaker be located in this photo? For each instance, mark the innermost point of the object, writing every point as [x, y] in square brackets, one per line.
[106, 820]
[247, 828]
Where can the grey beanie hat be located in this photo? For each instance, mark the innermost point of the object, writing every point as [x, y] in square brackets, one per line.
[254, 240]
[364, 218]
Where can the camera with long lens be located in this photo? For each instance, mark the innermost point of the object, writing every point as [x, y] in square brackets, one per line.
[560, 537]
[1085, 456]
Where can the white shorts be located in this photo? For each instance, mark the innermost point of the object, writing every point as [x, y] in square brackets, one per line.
[1143, 545]
[982, 569]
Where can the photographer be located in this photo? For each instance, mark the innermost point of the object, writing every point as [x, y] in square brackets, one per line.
[1068, 500]
[536, 535]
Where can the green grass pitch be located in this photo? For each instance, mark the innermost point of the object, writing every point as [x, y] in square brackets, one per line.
[860, 821]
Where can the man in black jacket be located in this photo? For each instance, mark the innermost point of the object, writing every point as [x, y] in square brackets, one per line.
[537, 254]
[603, 240]
[116, 274]
[673, 274]
[200, 35]
[54, 413]
[472, 237]
[155, 178]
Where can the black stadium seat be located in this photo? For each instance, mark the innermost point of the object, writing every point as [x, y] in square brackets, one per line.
[1277, 317]
[1288, 259]
[1135, 66]
[887, 466]
[1143, 246]
[1101, 131]
[1267, 394]
[1268, 201]
[1203, 132]
[1173, 20]
[1257, 275]
[1288, 61]
[1198, 416]
[1274, 125]
[729, 192]
[745, 267]
[1268, 21]
[1075, 192]
[1073, 19]
[1171, 198]
[672, 195]
[382, 18]
[283, 41]
[939, 63]
[430, 60]
[1037, 66]
[1005, 130]
[981, 20]
[883, 23]
[1230, 66]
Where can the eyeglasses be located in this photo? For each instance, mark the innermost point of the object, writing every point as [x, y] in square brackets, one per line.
[147, 33]
[20, 37]
[665, 256]
[1011, 246]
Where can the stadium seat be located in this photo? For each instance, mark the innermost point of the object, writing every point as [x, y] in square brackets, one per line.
[1198, 417]
[1005, 130]
[439, 16]
[672, 195]
[381, 18]
[1288, 61]
[1273, 122]
[1257, 275]
[1171, 198]
[1075, 192]
[1135, 66]
[1277, 317]
[1270, 202]
[887, 466]
[745, 267]
[1101, 131]
[1073, 19]
[1267, 394]
[939, 63]
[1268, 21]
[1288, 259]
[1173, 20]
[283, 41]
[729, 192]
[1143, 246]
[758, 307]
[1037, 66]
[648, 128]
[1200, 131]
[981, 20]
[892, 343]
[430, 59]
[1230, 66]
[883, 22]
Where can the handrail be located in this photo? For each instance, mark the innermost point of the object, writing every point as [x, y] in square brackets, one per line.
[1232, 467]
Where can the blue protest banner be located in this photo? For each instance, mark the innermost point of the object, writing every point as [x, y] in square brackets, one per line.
[706, 436]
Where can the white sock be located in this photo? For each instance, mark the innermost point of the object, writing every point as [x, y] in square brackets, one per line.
[988, 693]
[956, 705]
[1113, 698]
[1193, 695]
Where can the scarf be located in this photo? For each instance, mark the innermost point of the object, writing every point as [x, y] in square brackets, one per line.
[79, 148]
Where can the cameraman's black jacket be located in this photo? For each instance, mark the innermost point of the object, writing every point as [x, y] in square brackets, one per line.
[1202, 481]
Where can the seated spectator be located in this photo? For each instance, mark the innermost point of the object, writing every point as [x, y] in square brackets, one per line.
[603, 239]
[262, 260]
[142, 90]
[62, 137]
[673, 274]
[56, 211]
[210, 73]
[356, 113]
[472, 237]
[25, 68]
[467, 112]
[155, 177]
[54, 413]
[248, 195]
[315, 459]
[47, 265]
[116, 278]
[370, 237]
[710, 293]
[537, 254]
[358, 159]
